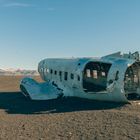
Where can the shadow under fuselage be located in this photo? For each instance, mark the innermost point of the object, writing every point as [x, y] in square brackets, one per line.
[16, 103]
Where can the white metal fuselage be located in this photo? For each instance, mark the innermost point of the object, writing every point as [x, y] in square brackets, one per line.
[104, 79]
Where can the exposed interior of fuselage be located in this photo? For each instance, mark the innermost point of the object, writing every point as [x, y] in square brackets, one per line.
[95, 79]
[132, 81]
[95, 76]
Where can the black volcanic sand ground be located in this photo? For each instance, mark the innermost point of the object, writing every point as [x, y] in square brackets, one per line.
[64, 119]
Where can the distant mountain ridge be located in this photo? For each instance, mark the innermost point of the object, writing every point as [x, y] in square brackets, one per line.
[12, 71]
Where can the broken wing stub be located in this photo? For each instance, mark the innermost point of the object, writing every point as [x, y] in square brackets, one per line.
[39, 91]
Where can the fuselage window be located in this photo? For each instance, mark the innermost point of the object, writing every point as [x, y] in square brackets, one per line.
[55, 72]
[66, 76]
[41, 70]
[51, 71]
[47, 70]
[136, 79]
[103, 74]
[72, 76]
[78, 77]
[88, 74]
[60, 74]
[95, 74]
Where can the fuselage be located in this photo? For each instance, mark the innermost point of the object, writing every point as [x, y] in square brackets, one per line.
[106, 78]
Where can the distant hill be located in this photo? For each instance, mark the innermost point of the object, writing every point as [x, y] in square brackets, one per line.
[18, 72]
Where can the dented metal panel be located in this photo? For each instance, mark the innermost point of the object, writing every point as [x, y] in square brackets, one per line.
[39, 91]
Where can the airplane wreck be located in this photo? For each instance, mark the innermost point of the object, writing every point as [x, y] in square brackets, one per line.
[115, 77]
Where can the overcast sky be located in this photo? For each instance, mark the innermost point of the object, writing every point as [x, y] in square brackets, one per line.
[31, 30]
